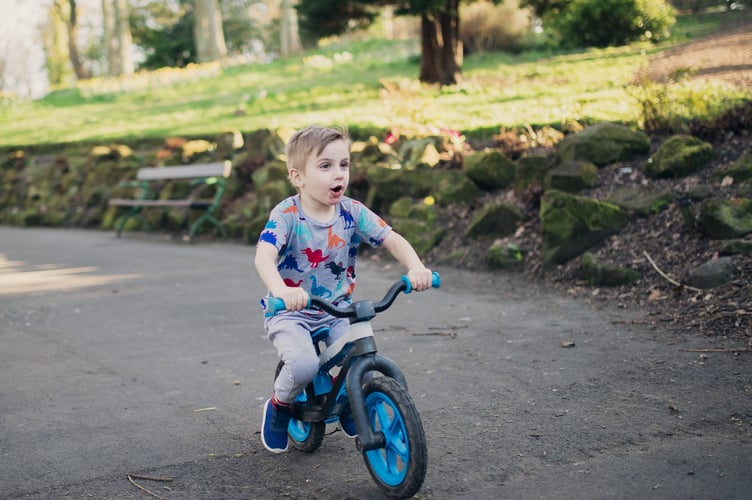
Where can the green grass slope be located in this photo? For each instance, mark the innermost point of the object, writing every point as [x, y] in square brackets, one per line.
[361, 85]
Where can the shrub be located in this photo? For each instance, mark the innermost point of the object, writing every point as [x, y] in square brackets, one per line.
[603, 23]
[673, 106]
[489, 27]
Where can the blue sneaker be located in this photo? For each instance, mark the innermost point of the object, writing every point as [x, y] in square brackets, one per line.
[276, 418]
[347, 424]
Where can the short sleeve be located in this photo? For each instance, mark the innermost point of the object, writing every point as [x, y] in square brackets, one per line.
[278, 226]
[371, 228]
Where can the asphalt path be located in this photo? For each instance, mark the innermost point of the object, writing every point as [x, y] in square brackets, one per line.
[146, 356]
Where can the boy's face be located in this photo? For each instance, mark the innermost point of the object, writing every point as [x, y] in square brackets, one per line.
[324, 179]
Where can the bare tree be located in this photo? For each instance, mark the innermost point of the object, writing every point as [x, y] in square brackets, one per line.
[108, 39]
[207, 31]
[54, 35]
[289, 36]
[68, 12]
[118, 41]
[124, 38]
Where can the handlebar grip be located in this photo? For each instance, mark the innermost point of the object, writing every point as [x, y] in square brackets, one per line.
[274, 305]
[435, 282]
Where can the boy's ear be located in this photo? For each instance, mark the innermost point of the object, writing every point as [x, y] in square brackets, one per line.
[295, 178]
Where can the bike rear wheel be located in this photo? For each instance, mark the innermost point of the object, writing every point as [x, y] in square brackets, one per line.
[400, 467]
[305, 436]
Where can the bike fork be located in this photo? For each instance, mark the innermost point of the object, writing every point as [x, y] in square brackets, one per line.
[368, 439]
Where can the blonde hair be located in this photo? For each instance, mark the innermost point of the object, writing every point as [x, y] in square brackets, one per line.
[311, 139]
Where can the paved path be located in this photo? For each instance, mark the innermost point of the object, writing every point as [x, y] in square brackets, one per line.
[141, 355]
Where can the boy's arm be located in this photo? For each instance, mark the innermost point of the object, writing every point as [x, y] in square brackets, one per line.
[419, 275]
[294, 298]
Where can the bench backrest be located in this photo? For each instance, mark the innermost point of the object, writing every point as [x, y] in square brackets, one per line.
[219, 169]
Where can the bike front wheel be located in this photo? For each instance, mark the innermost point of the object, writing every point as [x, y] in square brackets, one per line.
[399, 468]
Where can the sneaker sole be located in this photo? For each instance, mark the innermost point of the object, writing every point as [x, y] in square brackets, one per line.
[351, 436]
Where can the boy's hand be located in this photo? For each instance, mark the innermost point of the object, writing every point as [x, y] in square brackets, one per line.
[420, 279]
[294, 298]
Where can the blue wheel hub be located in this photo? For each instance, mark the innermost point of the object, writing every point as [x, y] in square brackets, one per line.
[391, 462]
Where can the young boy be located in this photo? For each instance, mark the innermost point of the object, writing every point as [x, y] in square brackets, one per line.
[309, 247]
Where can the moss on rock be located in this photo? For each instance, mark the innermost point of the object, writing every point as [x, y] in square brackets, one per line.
[570, 224]
[724, 219]
[679, 156]
[604, 143]
[494, 221]
[490, 170]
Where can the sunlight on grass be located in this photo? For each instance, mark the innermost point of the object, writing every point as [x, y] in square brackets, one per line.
[365, 84]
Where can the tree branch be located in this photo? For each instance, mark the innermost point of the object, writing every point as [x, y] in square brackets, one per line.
[667, 277]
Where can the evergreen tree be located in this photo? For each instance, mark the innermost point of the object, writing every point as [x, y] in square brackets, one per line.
[441, 52]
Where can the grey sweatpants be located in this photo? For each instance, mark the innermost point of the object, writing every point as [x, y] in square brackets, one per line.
[290, 333]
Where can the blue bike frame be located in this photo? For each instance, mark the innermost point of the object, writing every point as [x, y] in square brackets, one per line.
[356, 352]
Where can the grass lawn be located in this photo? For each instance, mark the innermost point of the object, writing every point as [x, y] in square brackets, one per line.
[362, 85]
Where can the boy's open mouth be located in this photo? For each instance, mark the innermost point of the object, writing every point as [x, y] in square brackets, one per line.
[337, 189]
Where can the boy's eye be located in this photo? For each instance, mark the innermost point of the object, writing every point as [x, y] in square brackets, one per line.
[324, 166]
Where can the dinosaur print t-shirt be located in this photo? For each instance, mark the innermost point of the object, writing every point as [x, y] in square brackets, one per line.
[321, 256]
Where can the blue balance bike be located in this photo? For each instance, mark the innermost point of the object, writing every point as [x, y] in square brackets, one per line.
[390, 433]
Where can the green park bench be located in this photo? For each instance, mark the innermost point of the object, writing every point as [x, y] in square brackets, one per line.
[147, 186]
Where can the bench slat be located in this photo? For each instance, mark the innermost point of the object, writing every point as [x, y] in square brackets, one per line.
[185, 171]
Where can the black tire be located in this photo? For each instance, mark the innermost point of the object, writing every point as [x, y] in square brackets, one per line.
[400, 467]
[304, 436]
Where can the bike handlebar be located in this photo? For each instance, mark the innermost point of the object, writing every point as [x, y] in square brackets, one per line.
[275, 304]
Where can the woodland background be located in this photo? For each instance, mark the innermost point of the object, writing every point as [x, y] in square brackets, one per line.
[514, 76]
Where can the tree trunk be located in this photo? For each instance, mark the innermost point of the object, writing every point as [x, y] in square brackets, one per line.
[70, 17]
[451, 48]
[429, 49]
[108, 39]
[289, 36]
[124, 39]
[441, 51]
[55, 39]
[387, 15]
[207, 31]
